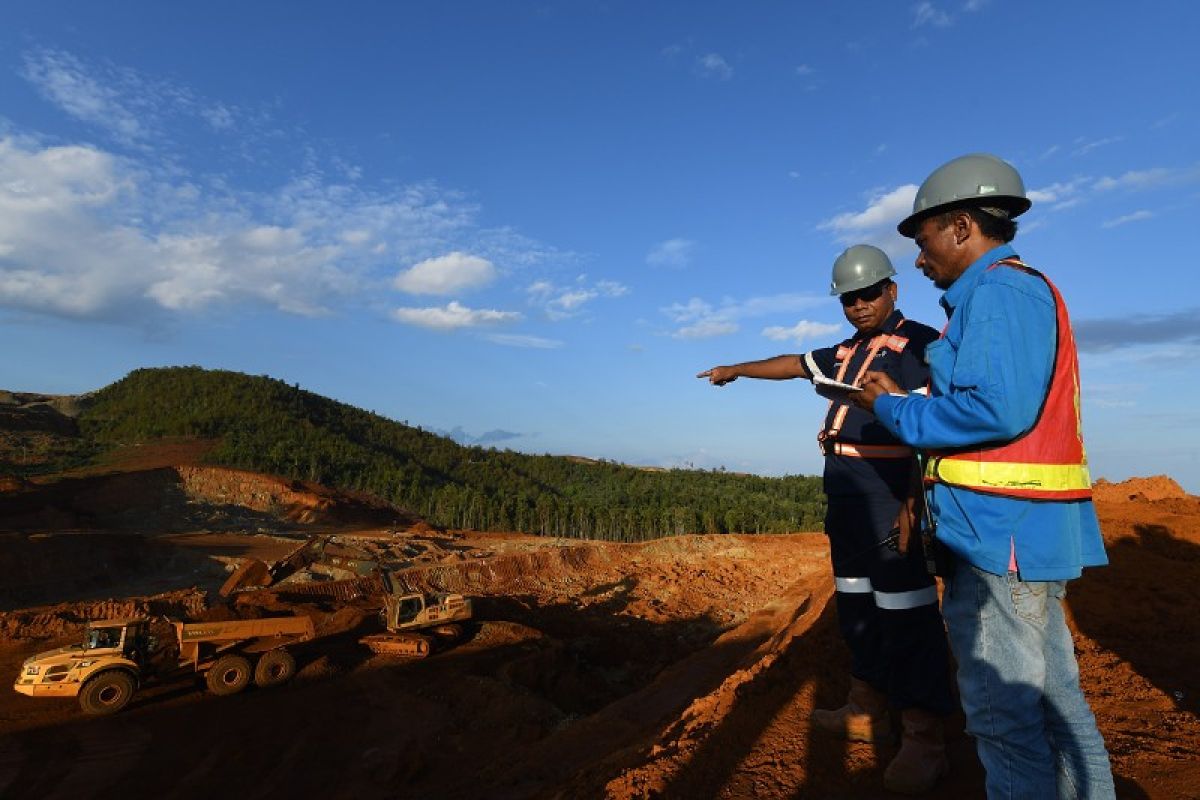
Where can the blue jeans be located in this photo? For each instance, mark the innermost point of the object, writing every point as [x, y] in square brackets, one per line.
[1019, 685]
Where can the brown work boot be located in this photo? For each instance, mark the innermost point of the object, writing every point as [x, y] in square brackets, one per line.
[921, 761]
[864, 718]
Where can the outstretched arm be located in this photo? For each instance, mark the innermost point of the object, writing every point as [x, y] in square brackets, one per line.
[779, 368]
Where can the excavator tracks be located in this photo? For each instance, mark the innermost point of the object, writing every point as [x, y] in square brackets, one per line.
[403, 645]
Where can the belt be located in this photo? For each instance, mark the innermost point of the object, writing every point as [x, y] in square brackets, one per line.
[866, 450]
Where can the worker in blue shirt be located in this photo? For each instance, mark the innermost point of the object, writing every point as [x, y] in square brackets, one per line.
[886, 599]
[1009, 488]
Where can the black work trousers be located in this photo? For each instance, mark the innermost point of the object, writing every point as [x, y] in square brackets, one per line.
[887, 605]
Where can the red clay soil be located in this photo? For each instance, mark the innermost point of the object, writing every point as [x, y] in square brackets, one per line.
[680, 668]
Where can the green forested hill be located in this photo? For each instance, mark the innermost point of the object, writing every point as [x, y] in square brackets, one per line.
[266, 425]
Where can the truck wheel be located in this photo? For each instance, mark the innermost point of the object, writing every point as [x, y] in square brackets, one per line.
[275, 667]
[228, 675]
[107, 693]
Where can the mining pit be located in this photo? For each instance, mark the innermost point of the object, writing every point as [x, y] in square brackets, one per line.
[679, 668]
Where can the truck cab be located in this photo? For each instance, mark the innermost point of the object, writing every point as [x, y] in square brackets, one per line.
[122, 644]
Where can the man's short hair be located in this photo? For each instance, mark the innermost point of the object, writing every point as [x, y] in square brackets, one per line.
[993, 223]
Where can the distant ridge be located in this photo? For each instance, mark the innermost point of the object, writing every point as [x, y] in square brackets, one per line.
[265, 425]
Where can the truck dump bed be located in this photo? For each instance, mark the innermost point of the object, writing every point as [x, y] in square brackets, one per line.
[199, 641]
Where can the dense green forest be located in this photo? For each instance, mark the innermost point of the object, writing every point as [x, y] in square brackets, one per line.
[266, 425]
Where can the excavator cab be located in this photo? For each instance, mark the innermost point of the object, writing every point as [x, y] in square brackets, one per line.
[409, 608]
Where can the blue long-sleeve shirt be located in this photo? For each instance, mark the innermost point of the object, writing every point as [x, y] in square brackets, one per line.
[990, 373]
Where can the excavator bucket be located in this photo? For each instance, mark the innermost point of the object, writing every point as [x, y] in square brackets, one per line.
[251, 573]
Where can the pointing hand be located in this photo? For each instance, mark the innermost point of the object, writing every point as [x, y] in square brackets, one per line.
[719, 376]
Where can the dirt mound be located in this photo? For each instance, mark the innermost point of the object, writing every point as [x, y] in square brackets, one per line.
[1158, 487]
[189, 498]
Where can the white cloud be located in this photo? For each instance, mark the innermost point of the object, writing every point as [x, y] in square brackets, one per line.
[453, 316]
[1060, 195]
[453, 272]
[876, 224]
[573, 299]
[972, 6]
[1163, 122]
[540, 289]
[675, 253]
[122, 102]
[698, 318]
[1065, 194]
[560, 302]
[1084, 146]
[612, 288]
[356, 238]
[706, 329]
[883, 209]
[86, 233]
[694, 308]
[926, 13]
[804, 70]
[521, 340]
[64, 80]
[1149, 178]
[713, 65]
[800, 332]
[1136, 216]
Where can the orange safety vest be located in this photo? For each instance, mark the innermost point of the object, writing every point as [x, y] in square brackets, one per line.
[826, 439]
[1047, 462]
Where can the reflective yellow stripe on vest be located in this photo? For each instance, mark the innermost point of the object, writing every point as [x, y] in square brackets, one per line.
[1006, 475]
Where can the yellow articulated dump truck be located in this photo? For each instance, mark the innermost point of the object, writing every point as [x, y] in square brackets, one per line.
[117, 656]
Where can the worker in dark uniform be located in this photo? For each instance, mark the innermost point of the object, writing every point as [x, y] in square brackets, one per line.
[886, 598]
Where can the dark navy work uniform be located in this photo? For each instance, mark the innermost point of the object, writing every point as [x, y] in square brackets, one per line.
[886, 602]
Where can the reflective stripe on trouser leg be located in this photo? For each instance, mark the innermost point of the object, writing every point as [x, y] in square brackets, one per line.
[853, 585]
[898, 601]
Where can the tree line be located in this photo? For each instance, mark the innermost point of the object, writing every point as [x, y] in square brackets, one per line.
[266, 425]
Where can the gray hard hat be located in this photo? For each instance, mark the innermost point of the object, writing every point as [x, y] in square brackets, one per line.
[979, 180]
[858, 267]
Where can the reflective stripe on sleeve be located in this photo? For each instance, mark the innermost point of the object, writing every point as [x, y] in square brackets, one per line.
[813, 369]
[852, 585]
[898, 601]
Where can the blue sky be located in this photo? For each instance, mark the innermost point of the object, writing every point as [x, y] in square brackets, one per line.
[533, 223]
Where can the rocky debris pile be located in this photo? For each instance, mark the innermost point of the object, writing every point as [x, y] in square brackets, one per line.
[66, 618]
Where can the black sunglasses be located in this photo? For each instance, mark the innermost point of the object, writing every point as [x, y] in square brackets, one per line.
[870, 294]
